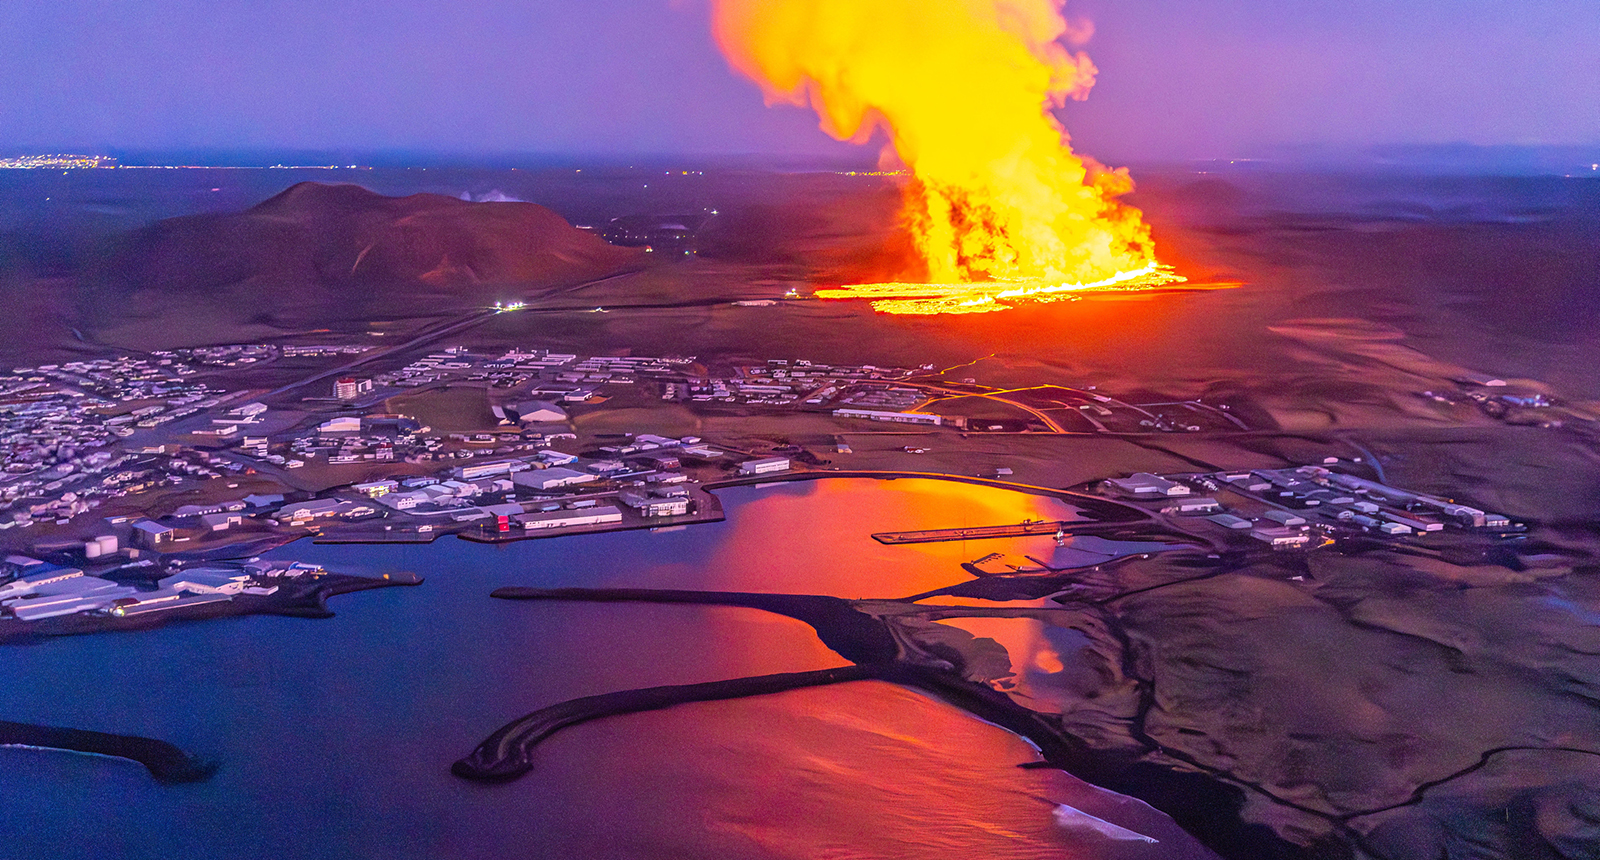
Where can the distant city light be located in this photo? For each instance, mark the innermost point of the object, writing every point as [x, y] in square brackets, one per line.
[65, 162]
[56, 161]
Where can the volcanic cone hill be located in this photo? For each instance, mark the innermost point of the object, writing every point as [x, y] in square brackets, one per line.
[339, 253]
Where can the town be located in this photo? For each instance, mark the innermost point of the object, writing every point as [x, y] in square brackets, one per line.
[146, 465]
[120, 435]
[1304, 506]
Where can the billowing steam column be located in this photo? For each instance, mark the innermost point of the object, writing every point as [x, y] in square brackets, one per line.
[1000, 207]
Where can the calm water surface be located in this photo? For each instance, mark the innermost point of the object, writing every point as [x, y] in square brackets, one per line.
[336, 736]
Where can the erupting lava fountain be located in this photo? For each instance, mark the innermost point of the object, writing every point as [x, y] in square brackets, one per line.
[1000, 208]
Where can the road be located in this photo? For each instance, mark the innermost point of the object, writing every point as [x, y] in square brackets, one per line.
[462, 322]
[477, 317]
[954, 393]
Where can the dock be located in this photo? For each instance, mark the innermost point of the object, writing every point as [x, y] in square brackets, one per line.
[376, 537]
[1027, 529]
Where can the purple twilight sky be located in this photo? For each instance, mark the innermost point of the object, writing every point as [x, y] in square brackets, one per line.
[1179, 78]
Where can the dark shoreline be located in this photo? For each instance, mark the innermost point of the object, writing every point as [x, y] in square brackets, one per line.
[1207, 807]
[1107, 513]
[695, 519]
[166, 763]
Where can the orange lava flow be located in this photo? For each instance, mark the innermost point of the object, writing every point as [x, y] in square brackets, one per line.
[1001, 210]
[983, 297]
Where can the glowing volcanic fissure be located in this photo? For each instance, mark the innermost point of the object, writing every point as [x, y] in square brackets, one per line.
[999, 207]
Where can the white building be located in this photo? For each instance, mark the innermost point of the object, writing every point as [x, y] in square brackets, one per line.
[485, 470]
[405, 501]
[602, 467]
[221, 522]
[153, 534]
[31, 584]
[552, 457]
[208, 581]
[553, 478]
[764, 466]
[375, 489]
[301, 512]
[651, 505]
[59, 592]
[571, 519]
[1281, 537]
[1146, 484]
[349, 388]
[893, 417]
[535, 412]
[1196, 506]
[344, 424]
[1229, 521]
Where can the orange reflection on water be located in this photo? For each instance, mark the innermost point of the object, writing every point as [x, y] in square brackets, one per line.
[1044, 677]
[815, 537]
[871, 770]
[858, 770]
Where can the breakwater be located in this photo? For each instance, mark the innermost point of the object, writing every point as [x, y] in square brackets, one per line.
[165, 762]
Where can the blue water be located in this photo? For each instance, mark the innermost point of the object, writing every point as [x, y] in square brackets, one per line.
[335, 736]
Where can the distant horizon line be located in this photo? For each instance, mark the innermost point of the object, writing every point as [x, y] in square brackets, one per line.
[1553, 159]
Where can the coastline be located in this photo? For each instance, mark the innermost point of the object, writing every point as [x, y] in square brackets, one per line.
[167, 763]
[308, 600]
[1105, 512]
[1204, 804]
